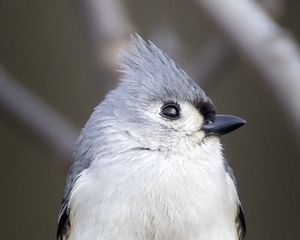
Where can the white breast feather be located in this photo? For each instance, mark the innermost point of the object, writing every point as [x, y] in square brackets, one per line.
[186, 197]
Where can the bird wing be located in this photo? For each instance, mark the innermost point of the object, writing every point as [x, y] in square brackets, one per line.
[239, 219]
[240, 223]
[63, 222]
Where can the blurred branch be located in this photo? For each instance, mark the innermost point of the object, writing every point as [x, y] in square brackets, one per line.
[107, 27]
[276, 8]
[219, 56]
[216, 58]
[270, 49]
[36, 117]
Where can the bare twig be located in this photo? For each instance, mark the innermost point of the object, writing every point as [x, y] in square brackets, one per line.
[270, 49]
[36, 117]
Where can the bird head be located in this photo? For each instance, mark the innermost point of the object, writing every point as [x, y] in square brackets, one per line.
[157, 105]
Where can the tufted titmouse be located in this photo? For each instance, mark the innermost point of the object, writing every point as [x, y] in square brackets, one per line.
[148, 164]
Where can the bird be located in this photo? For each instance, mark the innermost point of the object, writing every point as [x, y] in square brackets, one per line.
[149, 164]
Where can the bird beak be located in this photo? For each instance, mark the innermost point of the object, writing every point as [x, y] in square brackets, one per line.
[222, 124]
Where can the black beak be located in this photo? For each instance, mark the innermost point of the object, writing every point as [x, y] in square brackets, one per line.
[222, 124]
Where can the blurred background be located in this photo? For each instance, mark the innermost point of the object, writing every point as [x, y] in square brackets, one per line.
[57, 63]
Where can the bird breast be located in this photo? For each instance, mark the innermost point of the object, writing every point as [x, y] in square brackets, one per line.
[153, 196]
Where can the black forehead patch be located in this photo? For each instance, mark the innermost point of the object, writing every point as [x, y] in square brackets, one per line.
[206, 108]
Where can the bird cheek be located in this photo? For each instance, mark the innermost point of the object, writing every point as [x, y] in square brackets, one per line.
[198, 136]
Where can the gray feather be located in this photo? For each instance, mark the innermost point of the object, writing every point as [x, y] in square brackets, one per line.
[161, 76]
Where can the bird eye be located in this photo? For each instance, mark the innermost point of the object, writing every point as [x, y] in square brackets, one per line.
[171, 111]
